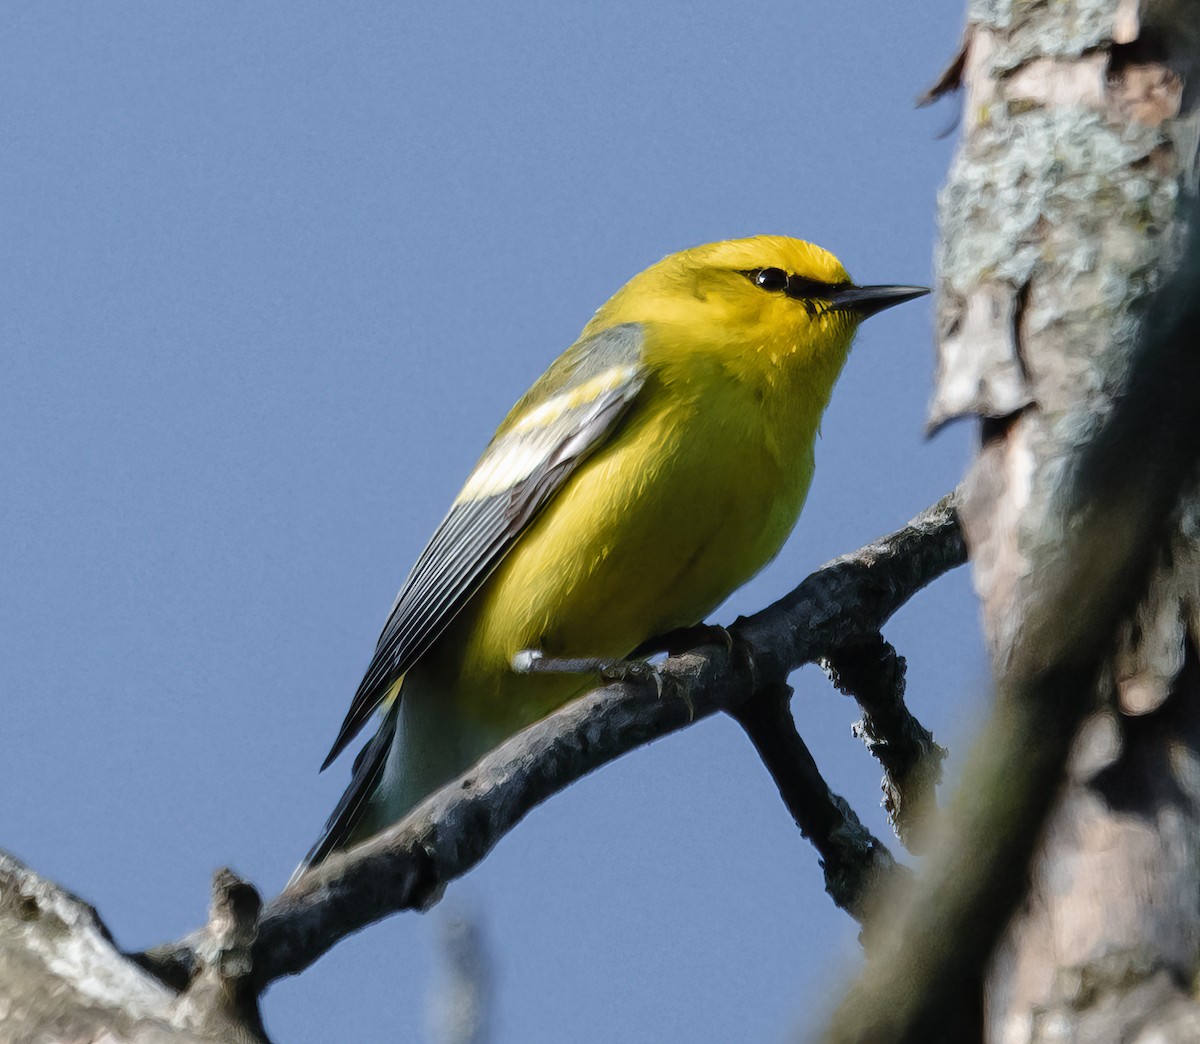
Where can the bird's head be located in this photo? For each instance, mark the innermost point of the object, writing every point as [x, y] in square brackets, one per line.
[781, 295]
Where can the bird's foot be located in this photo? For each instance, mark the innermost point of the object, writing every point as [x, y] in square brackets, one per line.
[534, 661]
[632, 671]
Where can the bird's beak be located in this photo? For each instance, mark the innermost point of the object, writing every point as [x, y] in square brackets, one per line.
[867, 300]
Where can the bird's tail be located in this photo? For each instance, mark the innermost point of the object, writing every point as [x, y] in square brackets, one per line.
[342, 826]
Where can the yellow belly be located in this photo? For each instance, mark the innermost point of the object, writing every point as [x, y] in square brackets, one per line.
[680, 509]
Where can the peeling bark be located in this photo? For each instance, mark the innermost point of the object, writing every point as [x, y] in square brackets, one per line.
[1060, 216]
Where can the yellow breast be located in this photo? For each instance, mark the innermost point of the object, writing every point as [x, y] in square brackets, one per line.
[689, 500]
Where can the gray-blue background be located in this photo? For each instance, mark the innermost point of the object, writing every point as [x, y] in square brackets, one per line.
[270, 275]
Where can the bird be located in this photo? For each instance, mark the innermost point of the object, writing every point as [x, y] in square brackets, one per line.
[658, 464]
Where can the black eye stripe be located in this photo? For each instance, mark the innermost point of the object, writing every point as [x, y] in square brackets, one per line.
[775, 280]
[802, 289]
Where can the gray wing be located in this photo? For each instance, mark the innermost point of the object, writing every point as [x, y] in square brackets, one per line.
[571, 410]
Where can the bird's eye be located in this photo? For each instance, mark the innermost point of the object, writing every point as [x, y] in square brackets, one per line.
[770, 279]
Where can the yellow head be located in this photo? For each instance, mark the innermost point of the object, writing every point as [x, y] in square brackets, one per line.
[772, 297]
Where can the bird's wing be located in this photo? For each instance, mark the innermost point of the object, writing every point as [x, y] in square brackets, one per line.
[570, 412]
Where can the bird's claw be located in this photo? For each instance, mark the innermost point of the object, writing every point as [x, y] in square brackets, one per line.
[534, 661]
[632, 671]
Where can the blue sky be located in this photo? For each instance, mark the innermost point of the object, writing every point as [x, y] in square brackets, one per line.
[272, 273]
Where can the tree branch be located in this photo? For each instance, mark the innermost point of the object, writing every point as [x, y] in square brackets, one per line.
[852, 858]
[63, 978]
[453, 830]
[873, 674]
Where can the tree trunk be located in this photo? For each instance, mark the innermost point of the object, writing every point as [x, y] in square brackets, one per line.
[1061, 214]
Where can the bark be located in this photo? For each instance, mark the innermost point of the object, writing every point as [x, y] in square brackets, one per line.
[1061, 901]
[63, 979]
[1061, 215]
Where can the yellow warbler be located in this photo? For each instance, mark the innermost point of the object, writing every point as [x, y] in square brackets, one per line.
[658, 464]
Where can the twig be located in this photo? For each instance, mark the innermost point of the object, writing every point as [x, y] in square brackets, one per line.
[854, 861]
[873, 674]
[460, 1007]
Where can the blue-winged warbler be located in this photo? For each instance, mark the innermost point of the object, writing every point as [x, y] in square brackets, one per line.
[658, 464]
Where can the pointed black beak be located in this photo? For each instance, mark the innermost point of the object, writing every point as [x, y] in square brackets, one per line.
[867, 300]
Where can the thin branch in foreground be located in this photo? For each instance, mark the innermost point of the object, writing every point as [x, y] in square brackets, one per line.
[453, 830]
[872, 673]
[460, 1007]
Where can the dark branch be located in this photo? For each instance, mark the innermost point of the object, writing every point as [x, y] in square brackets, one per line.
[873, 674]
[453, 830]
[852, 858]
